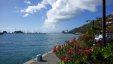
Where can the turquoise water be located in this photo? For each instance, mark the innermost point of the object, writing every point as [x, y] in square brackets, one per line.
[19, 48]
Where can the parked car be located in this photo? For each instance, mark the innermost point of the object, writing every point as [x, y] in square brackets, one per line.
[109, 37]
[98, 38]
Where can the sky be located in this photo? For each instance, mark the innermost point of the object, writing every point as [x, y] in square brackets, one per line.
[49, 15]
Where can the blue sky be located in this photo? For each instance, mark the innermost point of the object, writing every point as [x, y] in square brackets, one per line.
[50, 16]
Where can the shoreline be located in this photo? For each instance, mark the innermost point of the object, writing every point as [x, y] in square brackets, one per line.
[34, 59]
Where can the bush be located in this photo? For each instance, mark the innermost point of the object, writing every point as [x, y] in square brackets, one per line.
[86, 40]
[71, 53]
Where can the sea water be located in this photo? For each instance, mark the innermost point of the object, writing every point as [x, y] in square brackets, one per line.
[19, 48]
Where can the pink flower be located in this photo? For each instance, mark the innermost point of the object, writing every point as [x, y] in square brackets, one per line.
[81, 51]
[54, 49]
[70, 51]
[66, 58]
[88, 51]
[77, 47]
[73, 40]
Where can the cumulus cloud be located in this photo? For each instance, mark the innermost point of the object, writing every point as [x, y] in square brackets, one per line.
[27, 2]
[61, 10]
[32, 9]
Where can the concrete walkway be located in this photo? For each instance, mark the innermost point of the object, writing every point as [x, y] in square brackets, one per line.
[48, 58]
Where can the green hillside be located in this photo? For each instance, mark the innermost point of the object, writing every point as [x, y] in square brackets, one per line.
[96, 27]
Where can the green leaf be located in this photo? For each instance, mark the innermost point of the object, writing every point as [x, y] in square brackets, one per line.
[106, 54]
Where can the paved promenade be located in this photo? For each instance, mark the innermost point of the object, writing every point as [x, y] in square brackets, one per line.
[48, 58]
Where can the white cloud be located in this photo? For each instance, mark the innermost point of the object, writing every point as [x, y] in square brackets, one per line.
[61, 10]
[26, 15]
[32, 9]
[27, 2]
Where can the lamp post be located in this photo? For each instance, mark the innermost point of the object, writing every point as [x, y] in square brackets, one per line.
[104, 22]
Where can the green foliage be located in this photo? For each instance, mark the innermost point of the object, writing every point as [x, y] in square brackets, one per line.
[89, 27]
[97, 26]
[108, 53]
[71, 53]
[87, 53]
[103, 55]
[86, 40]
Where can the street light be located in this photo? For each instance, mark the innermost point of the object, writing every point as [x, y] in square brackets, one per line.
[104, 22]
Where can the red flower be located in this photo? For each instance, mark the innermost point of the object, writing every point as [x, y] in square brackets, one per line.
[66, 58]
[70, 51]
[73, 40]
[54, 49]
[81, 51]
[77, 47]
[88, 51]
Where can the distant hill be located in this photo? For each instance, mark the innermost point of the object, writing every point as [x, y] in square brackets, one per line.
[97, 25]
[18, 32]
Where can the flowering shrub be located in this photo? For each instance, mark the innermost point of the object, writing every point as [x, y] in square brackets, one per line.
[66, 58]
[71, 53]
[88, 51]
